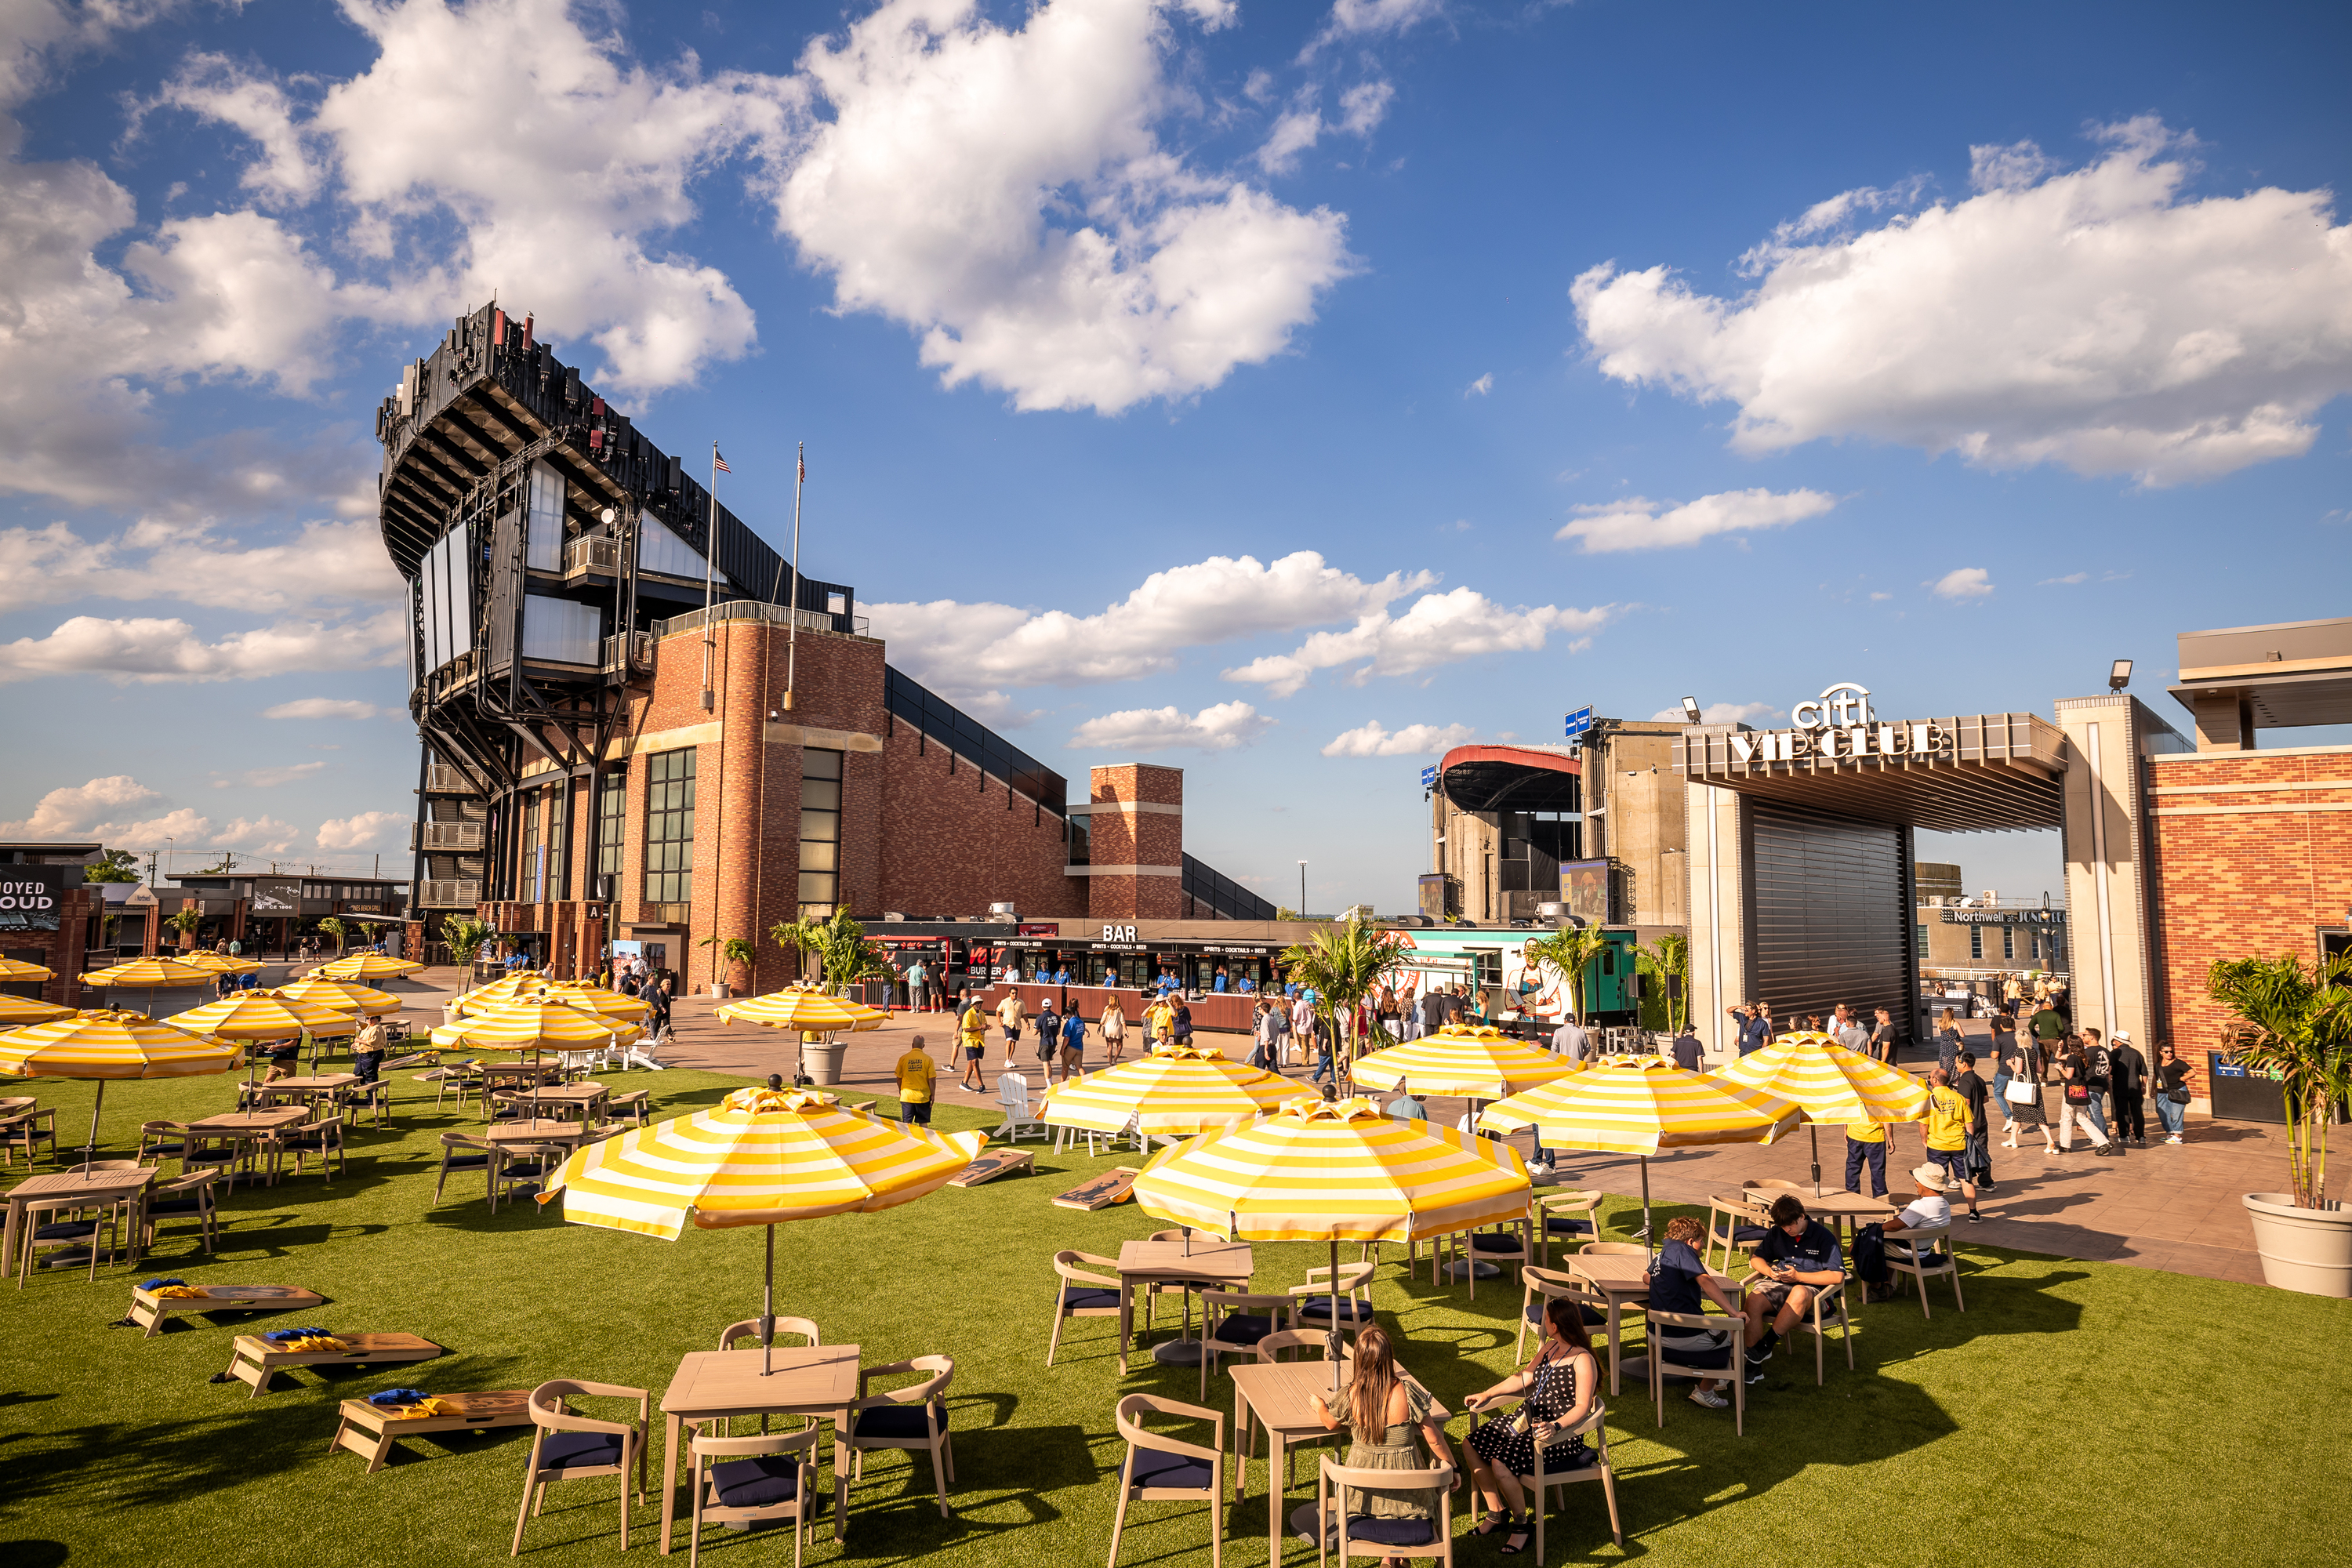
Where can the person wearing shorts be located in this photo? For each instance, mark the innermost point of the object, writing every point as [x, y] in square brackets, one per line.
[1950, 1124]
[1074, 1044]
[972, 1030]
[1012, 1015]
[1798, 1259]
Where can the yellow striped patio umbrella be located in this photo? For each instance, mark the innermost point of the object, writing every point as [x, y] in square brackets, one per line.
[16, 1010]
[535, 1023]
[220, 963]
[15, 972]
[364, 966]
[150, 975]
[102, 1044]
[1828, 1083]
[1639, 1106]
[1479, 1063]
[514, 987]
[806, 1008]
[1177, 1088]
[759, 1157]
[268, 1016]
[1335, 1171]
[595, 999]
[343, 995]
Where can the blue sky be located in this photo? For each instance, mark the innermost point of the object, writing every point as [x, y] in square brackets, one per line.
[1277, 392]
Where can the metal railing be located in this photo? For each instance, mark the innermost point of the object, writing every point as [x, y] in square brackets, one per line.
[591, 552]
[631, 650]
[440, 778]
[753, 610]
[447, 836]
[451, 895]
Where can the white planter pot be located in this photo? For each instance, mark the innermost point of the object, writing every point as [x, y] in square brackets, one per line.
[822, 1061]
[718, 989]
[2308, 1250]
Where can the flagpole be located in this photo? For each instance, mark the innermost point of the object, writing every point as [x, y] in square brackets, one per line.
[792, 637]
[709, 549]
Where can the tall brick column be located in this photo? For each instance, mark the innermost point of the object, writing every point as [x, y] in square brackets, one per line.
[1137, 843]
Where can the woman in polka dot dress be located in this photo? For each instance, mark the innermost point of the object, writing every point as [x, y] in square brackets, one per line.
[1558, 1390]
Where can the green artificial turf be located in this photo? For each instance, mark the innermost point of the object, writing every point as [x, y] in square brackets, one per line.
[2075, 1411]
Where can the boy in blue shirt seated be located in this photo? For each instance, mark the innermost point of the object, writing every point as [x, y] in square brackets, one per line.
[1799, 1259]
[1679, 1282]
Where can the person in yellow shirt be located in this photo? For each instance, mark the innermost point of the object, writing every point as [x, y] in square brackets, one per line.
[1865, 1140]
[1160, 1022]
[972, 1029]
[1950, 1123]
[915, 1077]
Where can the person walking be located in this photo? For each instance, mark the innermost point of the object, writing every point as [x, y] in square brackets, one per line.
[1302, 1017]
[2020, 1092]
[916, 1076]
[2128, 1085]
[1948, 1124]
[1687, 1051]
[2171, 1092]
[2048, 1027]
[1073, 1044]
[1010, 1015]
[1114, 1029]
[972, 1033]
[1882, 1037]
[1049, 1039]
[2004, 1055]
[1865, 1144]
[919, 986]
[1947, 1044]
[2074, 1103]
[1262, 1037]
[1972, 1086]
[2099, 1066]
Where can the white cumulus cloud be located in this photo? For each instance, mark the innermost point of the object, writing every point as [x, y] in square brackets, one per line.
[266, 778]
[1480, 387]
[111, 810]
[1721, 713]
[146, 650]
[967, 650]
[1639, 524]
[1219, 728]
[1372, 739]
[327, 708]
[2099, 318]
[367, 830]
[1006, 193]
[324, 564]
[1437, 629]
[1962, 584]
[75, 808]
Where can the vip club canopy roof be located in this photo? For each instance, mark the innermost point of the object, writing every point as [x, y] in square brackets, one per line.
[1179, 1089]
[1513, 778]
[1999, 770]
[1482, 1063]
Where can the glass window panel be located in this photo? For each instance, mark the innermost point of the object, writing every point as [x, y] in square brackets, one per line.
[820, 857]
[823, 793]
[816, 887]
[820, 764]
[669, 827]
[821, 826]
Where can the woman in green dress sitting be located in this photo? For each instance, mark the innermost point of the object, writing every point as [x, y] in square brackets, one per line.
[1383, 1410]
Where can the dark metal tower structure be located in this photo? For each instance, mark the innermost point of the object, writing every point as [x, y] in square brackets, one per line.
[542, 538]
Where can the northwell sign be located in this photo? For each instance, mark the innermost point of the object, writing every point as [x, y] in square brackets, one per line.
[1839, 723]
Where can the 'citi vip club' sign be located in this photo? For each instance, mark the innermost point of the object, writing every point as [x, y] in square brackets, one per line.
[1839, 724]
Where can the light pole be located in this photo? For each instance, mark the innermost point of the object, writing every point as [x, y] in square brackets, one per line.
[1302, 890]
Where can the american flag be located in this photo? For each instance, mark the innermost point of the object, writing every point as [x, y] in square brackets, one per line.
[803, 470]
[718, 462]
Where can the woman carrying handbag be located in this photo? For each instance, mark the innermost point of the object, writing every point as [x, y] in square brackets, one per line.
[2075, 1102]
[2171, 1092]
[2021, 1095]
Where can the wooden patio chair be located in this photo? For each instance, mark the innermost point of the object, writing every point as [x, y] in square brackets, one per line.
[1363, 1535]
[73, 1222]
[475, 1155]
[1728, 1363]
[1233, 1321]
[567, 1447]
[1083, 1295]
[190, 1197]
[1507, 1246]
[518, 1169]
[160, 1140]
[734, 1334]
[1733, 1227]
[1914, 1252]
[1595, 1428]
[25, 1128]
[634, 1106]
[1547, 1284]
[1355, 1296]
[914, 1419]
[225, 1152]
[1159, 1468]
[750, 1480]
[323, 1137]
[1569, 1216]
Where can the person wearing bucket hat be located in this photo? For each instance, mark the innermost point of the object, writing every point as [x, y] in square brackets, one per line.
[2128, 1088]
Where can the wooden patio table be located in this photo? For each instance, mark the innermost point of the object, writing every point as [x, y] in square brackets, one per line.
[100, 1186]
[1280, 1395]
[253, 1127]
[1227, 1263]
[802, 1380]
[1624, 1279]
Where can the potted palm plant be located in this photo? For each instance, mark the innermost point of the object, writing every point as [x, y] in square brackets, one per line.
[2294, 1027]
[1341, 967]
[843, 957]
[1668, 959]
[1572, 951]
[737, 953]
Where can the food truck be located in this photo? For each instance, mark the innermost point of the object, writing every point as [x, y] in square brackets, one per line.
[1491, 963]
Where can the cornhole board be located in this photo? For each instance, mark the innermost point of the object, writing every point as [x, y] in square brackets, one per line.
[148, 1309]
[1113, 1186]
[373, 1431]
[993, 1165]
[256, 1359]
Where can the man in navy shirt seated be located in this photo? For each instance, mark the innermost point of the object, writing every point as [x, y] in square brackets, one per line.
[1679, 1282]
[1798, 1260]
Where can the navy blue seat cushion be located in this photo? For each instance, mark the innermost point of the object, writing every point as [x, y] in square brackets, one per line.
[1157, 1468]
[762, 1482]
[1495, 1241]
[177, 1205]
[465, 1162]
[1593, 1317]
[67, 1230]
[1390, 1531]
[1351, 1312]
[1089, 1297]
[1701, 1361]
[1560, 1225]
[1244, 1329]
[899, 1423]
[579, 1450]
[1743, 1234]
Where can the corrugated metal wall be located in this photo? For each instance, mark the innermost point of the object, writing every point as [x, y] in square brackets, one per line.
[1830, 900]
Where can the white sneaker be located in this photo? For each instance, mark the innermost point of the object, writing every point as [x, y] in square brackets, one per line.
[1708, 1397]
[2174, 1139]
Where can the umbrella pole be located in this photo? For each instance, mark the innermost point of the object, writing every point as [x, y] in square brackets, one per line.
[1331, 1344]
[89, 1150]
[1648, 1239]
[1814, 1129]
[768, 1310]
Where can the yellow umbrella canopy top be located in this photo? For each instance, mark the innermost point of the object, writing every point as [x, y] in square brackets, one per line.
[345, 996]
[506, 988]
[219, 962]
[149, 972]
[16, 970]
[16, 1010]
[533, 1025]
[1186, 1089]
[1484, 1063]
[805, 1008]
[1828, 1082]
[1639, 1106]
[105, 1044]
[759, 1157]
[595, 999]
[1335, 1171]
[266, 1016]
[364, 966]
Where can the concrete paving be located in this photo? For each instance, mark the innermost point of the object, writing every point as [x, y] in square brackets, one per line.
[2170, 1207]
